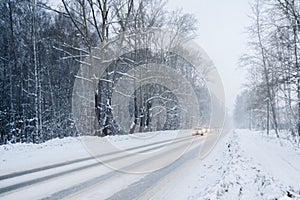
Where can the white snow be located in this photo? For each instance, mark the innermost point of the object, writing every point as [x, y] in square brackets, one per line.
[21, 156]
[243, 165]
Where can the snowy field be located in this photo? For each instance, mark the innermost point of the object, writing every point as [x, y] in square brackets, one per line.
[243, 165]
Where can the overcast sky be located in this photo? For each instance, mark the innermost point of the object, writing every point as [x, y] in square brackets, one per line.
[222, 35]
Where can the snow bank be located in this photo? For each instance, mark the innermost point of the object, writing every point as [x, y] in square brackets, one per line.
[252, 166]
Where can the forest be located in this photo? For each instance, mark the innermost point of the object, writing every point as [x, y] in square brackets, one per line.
[271, 99]
[47, 47]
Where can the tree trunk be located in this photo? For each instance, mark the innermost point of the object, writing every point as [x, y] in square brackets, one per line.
[36, 78]
[266, 73]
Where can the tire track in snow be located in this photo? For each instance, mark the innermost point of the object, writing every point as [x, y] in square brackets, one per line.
[136, 189]
[21, 173]
[52, 176]
[71, 190]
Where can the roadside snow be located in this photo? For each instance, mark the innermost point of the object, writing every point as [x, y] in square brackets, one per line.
[244, 171]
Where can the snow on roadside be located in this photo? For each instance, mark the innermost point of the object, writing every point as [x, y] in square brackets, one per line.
[279, 159]
[250, 167]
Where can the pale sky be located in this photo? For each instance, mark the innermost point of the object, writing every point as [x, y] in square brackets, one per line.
[222, 35]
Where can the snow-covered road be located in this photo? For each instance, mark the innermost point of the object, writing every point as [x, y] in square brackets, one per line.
[167, 165]
[141, 161]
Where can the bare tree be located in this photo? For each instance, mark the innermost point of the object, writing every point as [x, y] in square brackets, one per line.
[275, 59]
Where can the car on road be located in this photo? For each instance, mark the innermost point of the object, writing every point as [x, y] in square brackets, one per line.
[200, 131]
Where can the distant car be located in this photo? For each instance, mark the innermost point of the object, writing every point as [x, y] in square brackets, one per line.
[200, 131]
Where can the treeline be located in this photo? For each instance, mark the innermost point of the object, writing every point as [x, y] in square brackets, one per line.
[43, 48]
[36, 81]
[272, 96]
